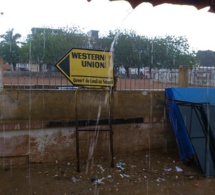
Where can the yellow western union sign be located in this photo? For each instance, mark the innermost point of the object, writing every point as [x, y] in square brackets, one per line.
[87, 67]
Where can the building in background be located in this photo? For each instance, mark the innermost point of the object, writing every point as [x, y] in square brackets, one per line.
[93, 37]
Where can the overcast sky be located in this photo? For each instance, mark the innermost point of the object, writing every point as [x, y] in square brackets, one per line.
[103, 15]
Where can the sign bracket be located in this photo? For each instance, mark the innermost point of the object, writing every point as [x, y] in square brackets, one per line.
[110, 97]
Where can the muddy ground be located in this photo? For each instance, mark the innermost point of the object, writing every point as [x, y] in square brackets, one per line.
[142, 173]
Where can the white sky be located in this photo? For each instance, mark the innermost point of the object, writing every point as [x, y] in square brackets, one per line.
[104, 15]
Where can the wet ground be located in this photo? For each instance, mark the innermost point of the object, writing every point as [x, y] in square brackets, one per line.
[143, 173]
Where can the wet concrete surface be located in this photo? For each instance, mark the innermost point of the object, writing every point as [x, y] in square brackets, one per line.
[142, 173]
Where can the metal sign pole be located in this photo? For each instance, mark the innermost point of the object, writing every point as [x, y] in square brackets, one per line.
[77, 135]
[76, 65]
[110, 126]
[110, 97]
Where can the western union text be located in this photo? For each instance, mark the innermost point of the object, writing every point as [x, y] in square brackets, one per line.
[93, 64]
[88, 56]
[90, 60]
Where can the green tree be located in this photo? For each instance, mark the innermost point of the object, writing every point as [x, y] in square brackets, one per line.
[206, 58]
[128, 48]
[9, 48]
[126, 52]
[178, 52]
[105, 42]
[171, 52]
[47, 46]
[132, 50]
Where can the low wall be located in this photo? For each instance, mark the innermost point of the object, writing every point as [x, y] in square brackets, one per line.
[38, 125]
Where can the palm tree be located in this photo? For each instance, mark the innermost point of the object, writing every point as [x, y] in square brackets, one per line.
[10, 50]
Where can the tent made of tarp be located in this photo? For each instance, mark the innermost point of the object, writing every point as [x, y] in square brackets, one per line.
[191, 112]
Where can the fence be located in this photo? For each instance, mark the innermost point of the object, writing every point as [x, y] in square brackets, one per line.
[158, 80]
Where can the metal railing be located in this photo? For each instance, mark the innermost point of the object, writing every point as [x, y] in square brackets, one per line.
[158, 80]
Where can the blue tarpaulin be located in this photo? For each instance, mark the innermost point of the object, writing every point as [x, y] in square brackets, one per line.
[193, 95]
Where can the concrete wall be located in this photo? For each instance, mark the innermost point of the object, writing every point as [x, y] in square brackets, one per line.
[38, 125]
[58, 105]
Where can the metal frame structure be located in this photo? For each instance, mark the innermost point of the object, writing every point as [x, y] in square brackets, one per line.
[196, 119]
[110, 93]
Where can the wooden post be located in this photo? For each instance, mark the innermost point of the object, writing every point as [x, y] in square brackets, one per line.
[183, 76]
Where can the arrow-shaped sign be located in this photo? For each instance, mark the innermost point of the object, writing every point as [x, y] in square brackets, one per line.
[87, 67]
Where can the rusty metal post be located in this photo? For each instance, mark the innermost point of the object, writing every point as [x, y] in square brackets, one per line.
[77, 135]
[110, 126]
[110, 97]
[183, 76]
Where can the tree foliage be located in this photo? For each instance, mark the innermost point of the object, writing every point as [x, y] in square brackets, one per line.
[206, 58]
[9, 48]
[47, 46]
[132, 50]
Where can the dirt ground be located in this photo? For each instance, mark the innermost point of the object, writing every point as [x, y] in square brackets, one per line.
[142, 173]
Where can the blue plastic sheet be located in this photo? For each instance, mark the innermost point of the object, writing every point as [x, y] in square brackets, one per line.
[194, 95]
